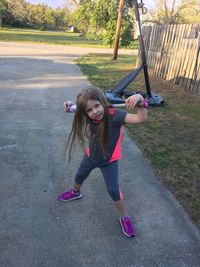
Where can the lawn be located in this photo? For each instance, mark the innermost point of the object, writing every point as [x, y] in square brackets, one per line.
[47, 37]
[51, 37]
[170, 137]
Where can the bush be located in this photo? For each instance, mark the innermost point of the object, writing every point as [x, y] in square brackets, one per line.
[43, 28]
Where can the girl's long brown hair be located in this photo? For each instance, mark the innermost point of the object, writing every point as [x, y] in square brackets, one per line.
[79, 131]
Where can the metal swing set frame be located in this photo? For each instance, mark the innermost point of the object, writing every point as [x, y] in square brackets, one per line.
[117, 94]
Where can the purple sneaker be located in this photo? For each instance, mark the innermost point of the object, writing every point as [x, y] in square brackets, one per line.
[127, 226]
[69, 195]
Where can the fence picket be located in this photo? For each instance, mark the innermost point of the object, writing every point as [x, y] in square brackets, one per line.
[178, 54]
[182, 51]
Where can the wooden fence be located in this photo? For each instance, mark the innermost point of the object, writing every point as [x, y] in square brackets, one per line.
[173, 53]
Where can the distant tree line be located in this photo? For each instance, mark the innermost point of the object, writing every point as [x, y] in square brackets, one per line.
[19, 13]
[176, 12]
[96, 18]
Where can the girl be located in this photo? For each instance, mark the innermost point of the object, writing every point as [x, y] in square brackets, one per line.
[101, 125]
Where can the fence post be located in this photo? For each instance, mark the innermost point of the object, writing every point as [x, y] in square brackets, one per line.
[196, 74]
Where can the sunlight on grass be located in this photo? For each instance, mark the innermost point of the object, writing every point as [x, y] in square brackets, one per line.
[98, 68]
[49, 37]
[52, 37]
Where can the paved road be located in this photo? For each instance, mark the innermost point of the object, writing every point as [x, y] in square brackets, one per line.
[38, 231]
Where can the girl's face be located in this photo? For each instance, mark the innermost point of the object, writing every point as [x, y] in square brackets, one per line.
[94, 110]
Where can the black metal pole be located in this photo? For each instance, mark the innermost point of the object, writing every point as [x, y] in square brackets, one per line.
[142, 47]
[114, 95]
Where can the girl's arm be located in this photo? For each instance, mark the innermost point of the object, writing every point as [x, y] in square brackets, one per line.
[141, 115]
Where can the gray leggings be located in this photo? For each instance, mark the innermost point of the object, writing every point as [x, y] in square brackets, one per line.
[110, 174]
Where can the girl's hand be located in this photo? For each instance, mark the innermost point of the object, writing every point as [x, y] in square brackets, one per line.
[141, 112]
[132, 101]
[66, 105]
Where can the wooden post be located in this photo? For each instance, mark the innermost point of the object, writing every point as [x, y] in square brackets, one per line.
[119, 22]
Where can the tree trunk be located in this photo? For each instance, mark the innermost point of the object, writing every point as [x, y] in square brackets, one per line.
[119, 22]
[75, 2]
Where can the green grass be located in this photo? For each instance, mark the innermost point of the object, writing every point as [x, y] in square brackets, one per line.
[170, 137]
[51, 37]
[47, 37]
[98, 68]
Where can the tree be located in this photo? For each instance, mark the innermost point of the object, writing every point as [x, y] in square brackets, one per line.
[99, 18]
[50, 20]
[38, 13]
[82, 16]
[19, 10]
[62, 18]
[2, 10]
[171, 11]
[71, 4]
[191, 14]
[75, 2]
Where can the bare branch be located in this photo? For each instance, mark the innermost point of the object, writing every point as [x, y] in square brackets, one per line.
[19, 8]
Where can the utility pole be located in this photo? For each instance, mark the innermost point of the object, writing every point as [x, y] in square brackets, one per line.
[119, 22]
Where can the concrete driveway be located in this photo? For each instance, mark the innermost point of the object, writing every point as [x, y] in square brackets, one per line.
[37, 230]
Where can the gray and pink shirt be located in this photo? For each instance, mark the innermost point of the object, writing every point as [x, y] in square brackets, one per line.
[116, 118]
